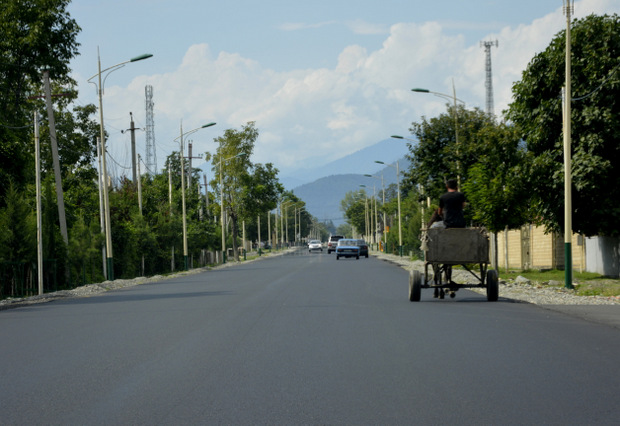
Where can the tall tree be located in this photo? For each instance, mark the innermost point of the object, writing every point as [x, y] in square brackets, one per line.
[437, 156]
[354, 207]
[248, 189]
[537, 111]
[497, 184]
[36, 35]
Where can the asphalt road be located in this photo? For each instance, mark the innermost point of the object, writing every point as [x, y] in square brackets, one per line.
[302, 339]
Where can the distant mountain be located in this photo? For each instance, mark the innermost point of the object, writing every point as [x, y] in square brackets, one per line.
[322, 188]
[323, 196]
[360, 162]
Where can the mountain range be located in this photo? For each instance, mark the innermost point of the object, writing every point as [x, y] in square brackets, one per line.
[326, 186]
[322, 188]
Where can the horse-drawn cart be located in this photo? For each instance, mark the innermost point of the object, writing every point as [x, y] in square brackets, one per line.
[444, 248]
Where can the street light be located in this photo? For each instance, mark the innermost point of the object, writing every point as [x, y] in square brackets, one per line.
[400, 229]
[367, 216]
[383, 190]
[456, 130]
[106, 198]
[568, 225]
[185, 251]
[402, 137]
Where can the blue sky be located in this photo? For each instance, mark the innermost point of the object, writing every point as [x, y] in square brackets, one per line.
[322, 79]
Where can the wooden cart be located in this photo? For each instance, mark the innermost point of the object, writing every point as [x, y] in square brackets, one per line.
[444, 248]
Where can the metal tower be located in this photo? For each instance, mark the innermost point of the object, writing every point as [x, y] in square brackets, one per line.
[488, 84]
[151, 157]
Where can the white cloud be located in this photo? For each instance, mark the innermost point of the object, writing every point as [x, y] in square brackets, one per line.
[362, 27]
[314, 115]
[297, 26]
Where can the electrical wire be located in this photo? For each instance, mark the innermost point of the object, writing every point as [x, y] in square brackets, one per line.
[116, 162]
[600, 86]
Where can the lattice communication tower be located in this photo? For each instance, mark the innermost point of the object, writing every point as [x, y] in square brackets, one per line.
[488, 84]
[151, 156]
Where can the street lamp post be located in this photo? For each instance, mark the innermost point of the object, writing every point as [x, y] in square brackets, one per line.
[185, 250]
[400, 228]
[568, 225]
[367, 226]
[383, 191]
[106, 198]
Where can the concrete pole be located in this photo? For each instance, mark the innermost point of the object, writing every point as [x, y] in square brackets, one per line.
[139, 182]
[400, 226]
[106, 197]
[37, 159]
[222, 209]
[568, 225]
[101, 209]
[185, 264]
[59, 193]
[132, 129]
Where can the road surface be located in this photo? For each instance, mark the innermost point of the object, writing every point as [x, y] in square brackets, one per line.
[302, 339]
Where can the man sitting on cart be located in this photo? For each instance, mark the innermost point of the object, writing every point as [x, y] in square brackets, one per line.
[451, 206]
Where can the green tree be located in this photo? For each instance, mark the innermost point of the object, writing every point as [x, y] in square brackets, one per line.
[249, 189]
[37, 35]
[354, 207]
[537, 111]
[497, 184]
[437, 157]
[17, 228]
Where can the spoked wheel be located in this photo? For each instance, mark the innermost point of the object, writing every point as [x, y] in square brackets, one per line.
[415, 286]
[492, 286]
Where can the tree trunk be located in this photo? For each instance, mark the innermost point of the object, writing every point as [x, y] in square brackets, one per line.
[235, 232]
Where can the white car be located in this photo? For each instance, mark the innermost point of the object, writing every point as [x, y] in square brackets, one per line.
[315, 245]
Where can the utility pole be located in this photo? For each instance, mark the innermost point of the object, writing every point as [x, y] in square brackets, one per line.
[59, 194]
[139, 182]
[101, 209]
[568, 221]
[132, 129]
[189, 171]
[37, 155]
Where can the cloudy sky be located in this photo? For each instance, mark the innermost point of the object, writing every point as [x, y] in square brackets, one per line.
[321, 78]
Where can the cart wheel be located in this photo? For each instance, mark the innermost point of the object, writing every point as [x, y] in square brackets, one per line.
[415, 286]
[492, 286]
[337, 257]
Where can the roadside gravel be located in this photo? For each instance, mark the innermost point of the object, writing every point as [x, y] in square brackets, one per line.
[94, 289]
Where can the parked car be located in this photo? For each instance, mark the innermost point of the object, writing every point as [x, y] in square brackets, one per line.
[333, 242]
[347, 248]
[315, 245]
[363, 248]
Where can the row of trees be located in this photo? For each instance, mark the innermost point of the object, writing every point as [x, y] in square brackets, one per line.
[146, 234]
[512, 172]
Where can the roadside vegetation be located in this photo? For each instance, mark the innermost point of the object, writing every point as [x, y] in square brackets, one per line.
[511, 170]
[585, 283]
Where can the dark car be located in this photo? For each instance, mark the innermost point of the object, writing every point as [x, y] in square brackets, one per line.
[347, 248]
[363, 248]
[333, 242]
